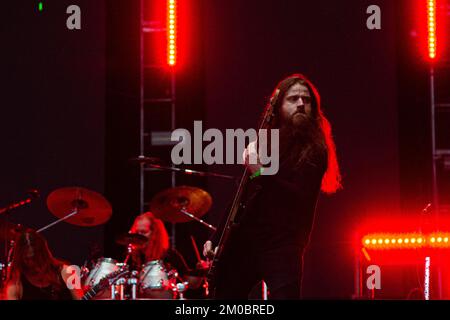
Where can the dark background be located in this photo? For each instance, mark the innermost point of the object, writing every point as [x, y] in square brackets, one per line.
[71, 100]
[53, 113]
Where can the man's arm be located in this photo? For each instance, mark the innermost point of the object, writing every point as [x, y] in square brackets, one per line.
[13, 291]
[77, 293]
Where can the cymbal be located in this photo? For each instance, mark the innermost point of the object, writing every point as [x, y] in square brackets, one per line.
[93, 208]
[166, 204]
[131, 238]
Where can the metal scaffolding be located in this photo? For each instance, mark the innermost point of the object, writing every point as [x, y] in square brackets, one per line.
[154, 72]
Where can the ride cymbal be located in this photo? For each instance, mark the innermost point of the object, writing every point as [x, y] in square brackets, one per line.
[166, 205]
[93, 208]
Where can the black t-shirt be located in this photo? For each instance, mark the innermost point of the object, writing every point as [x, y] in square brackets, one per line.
[278, 210]
[52, 292]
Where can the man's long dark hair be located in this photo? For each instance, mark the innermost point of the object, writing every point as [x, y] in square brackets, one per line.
[49, 267]
[311, 141]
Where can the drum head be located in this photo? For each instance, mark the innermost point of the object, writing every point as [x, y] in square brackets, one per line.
[103, 267]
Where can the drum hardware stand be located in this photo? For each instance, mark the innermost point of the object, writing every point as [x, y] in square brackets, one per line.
[179, 289]
[121, 284]
[190, 215]
[133, 283]
[129, 252]
[113, 291]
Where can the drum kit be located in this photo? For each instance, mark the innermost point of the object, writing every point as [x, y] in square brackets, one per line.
[108, 278]
[153, 280]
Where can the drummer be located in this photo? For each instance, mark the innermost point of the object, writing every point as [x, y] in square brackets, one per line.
[157, 246]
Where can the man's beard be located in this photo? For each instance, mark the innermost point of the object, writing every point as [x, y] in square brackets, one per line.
[299, 133]
[298, 129]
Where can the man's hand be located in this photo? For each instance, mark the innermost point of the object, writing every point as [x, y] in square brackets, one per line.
[251, 158]
[202, 265]
[208, 251]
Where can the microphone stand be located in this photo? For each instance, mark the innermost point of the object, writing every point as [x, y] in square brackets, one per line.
[9, 248]
[19, 204]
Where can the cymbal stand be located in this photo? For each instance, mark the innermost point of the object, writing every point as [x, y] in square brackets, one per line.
[129, 252]
[188, 171]
[74, 212]
[190, 215]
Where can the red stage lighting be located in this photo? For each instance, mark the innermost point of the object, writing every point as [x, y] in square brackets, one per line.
[440, 240]
[171, 32]
[378, 241]
[432, 39]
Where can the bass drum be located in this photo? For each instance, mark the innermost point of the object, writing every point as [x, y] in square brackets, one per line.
[155, 282]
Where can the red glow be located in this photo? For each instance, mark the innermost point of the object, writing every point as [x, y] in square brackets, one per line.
[440, 240]
[171, 32]
[432, 39]
[392, 241]
[406, 241]
[430, 28]
[375, 241]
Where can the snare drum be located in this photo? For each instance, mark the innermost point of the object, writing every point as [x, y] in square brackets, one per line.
[155, 282]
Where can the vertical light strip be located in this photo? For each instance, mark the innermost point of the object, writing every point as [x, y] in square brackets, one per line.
[431, 12]
[171, 32]
[426, 285]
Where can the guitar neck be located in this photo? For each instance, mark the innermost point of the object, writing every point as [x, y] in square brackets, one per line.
[90, 294]
[232, 215]
[236, 203]
[104, 283]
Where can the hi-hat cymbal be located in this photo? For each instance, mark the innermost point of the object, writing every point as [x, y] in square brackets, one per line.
[167, 204]
[93, 208]
[134, 239]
